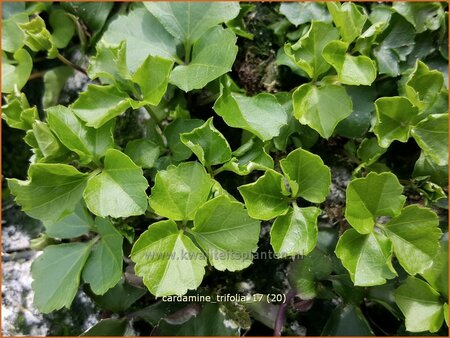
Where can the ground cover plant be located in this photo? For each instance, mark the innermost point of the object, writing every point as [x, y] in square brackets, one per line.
[233, 168]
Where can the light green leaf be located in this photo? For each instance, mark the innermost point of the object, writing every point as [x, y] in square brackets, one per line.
[63, 28]
[321, 108]
[212, 56]
[437, 274]
[38, 38]
[369, 151]
[56, 187]
[15, 76]
[267, 197]
[431, 135]
[427, 167]
[89, 143]
[446, 313]
[415, 238]
[421, 306]
[299, 13]
[366, 257]
[308, 177]
[49, 145]
[12, 35]
[173, 131]
[188, 21]
[179, 191]
[18, 114]
[143, 152]
[99, 104]
[124, 184]
[351, 70]
[306, 53]
[395, 116]
[56, 275]
[208, 144]
[167, 260]
[296, 232]
[225, 232]
[78, 223]
[261, 115]
[144, 35]
[370, 197]
[54, 81]
[423, 16]
[348, 18]
[103, 268]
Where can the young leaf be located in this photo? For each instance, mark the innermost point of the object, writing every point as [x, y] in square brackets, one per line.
[38, 38]
[421, 306]
[18, 114]
[225, 232]
[351, 70]
[172, 133]
[15, 74]
[208, 144]
[56, 275]
[107, 254]
[299, 13]
[370, 197]
[56, 187]
[267, 197]
[321, 108]
[124, 184]
[437, 274]
[179, 191]
[168, 260]
[78, 223]
[348, 18]
[143, 152]
[212, 56]
[261, 115]
[308, 177]
[415, 238]
[366, 257]
[296, 232]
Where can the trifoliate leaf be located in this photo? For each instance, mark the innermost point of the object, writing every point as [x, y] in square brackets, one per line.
[55, 187]
[54, 82]
[225, 232]
[173, 131]
[321, 108]
[366, 257]
[267, 197]
[15, 73]
[208, 144]
[370, 197]
[348, 18]
[351, 70]
[437, 274]
[124, 184]
[107, 254]
[179, 191]
[261, 115]
[143, 152]
[63, 28]
[306, 53]
[56, 275]
[296, 232]
[308, 177]
[38, 38]
[395, 116]
[415, 238]
[12, 35]
[299, 13]
[421, 306]
[423, 16]
[78, 223]
[167, 260]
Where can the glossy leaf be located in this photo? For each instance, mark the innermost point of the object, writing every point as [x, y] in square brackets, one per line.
[425, 166]
[348, 18]
[49, 146]
[18, 114]
[15, 76]
[78, 223]
[12, 35]
[54, 82]
[347, 320]
[63, 28]
[143, 152]
[437, 274]
[108, 327]
[38, 38]
[173, 131]
[299, 13]
[423, 16]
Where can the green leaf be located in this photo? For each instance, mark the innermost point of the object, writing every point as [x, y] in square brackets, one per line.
[296, 232]
[225, 232]
[168, 260]
[427, 167]
[63, 28]
[369, 151]
[261, 115]
[395, 116]
[48, 144]
[370, 197]
[173, 131]
[38, 38]
[446, 313]
[144, 35]
[108, 327]
[78, 223]
[307, 175]
[351, 70]
[12, 35]
[306, 53]
[415, 238]
[267, 197]
[348, 18]
[299, 13]
[423, 16]
[56, 275]
[18, 114]
[12, 8]
[421, 306]
[179, 191]
[188, 21]
[54, 82]
[99, 104]
[321, 108]
[347, 320]
[366, 257]
[431, 135]
[55, 187]
[143, 152]
[89, 143]
[208, 144]
[212, 56]
[437, 274]
[103, 268]
[124, 184]
[15, 74]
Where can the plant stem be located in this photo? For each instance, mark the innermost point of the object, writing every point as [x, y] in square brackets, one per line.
[281, 315]
[71, 64]
[37, 75]
[154, 118]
